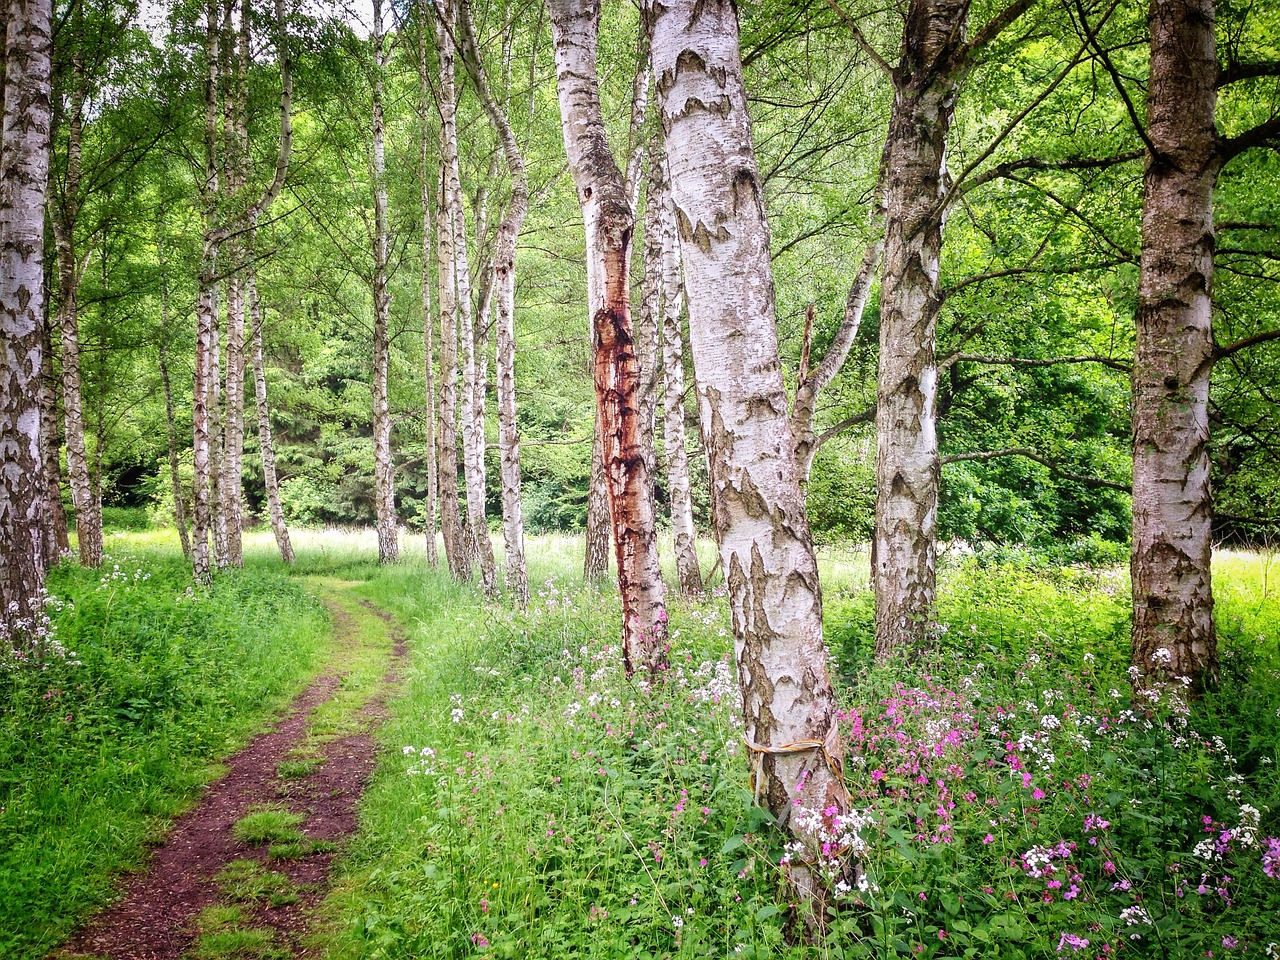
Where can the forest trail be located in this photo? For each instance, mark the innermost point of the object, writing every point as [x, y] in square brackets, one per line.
[241, 872]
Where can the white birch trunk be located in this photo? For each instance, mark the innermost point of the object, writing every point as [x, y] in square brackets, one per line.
[1174, 354]
[384, 492]
[757, 503]
[56, 542]
[24, 171]
[425, 107]
[266, 443]
[684, 534]
[904, 550]
[504, 277]
[609, 222]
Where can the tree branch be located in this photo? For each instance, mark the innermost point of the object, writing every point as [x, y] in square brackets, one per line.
[879, 61]
[1263, 135]
[1110, 362]
[1019, 271]
[1029, 454]
[1221, 353]
[1091, 38]
[1235, 72]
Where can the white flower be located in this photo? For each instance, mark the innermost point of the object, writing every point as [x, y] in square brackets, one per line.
[457, 714]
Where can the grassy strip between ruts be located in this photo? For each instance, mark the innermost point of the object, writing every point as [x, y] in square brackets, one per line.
[96, 757]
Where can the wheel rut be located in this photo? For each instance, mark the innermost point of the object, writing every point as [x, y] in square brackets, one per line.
[165, 908]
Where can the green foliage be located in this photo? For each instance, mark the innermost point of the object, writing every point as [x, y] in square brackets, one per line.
[98, 750]
[270, 824]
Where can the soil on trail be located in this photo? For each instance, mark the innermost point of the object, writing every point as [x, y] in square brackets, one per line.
[155, 917]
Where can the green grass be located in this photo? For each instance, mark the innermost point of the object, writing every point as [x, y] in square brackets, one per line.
[247, 881]
[270, 824]
[95, 758]
[239, 944]
[298, 769]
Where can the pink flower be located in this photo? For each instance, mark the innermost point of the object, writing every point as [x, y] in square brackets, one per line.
[988, 839]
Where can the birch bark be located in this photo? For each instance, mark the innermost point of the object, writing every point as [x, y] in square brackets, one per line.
[56, 542]
[24, 171]
[456, 550]
[266, 443]
[595, 561]
[684, 534]
[757, 503]
[383, 470]
[609, 224]
[1174, 353]
[430, 508]
[504, 273]
[171, 433]
[64, 218]
[912, 186]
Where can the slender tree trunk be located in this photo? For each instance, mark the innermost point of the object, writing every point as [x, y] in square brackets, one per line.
[24, 171]
[1173, 633]
[428, 332]
[56, 542]
[383, 469]
[504, 276]
[217, 453]
[609, 224]
[758, 507]
[812, 382]
[683, 532]
[171, 435]
[595, 563]
[904, 551]
[266, 444]
[206, 316]
[456, 549]
[64, 219]
[472, 411]
[648, 321]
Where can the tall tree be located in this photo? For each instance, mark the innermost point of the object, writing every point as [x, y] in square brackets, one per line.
[24, 170]
[1175, 350]
[679, 489]
[425, 101]
[504, 276]
[456, 549]
[384, 492]
[266, 442]
[56, 540]
[609, 221]
[789, 708]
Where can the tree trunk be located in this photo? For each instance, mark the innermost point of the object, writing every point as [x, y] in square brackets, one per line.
[24, 170]
[266, 444]
[171, 436]
[56, 542]
[609, 224]
[384, 492]
[504, 276]
[1173, 633]
[789, 708]
[221, 550]
[904, 551]
[648, 321]
[471, 412]
[456, 550]
[595, 562]
[428, 332]
[206, 315]
[683, 532]
[64, 219]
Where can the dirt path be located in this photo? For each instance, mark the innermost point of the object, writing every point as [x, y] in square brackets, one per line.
[238, 898]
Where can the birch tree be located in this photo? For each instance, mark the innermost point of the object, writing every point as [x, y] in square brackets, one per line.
[789, 708]
[384, 493]
[425, 104]
[504, 282]
[609, 221]
[56, 540]
[24, 170]
[456, 549]
[679, 489]
[1173, 630]
[266, 442]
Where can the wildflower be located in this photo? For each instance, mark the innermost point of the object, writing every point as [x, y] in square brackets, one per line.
[1271, 858]
[1076, 943]
[1230, 943]
[457, 714]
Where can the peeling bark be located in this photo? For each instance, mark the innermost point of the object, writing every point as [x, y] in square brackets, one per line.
[757, 503]
[1174, 352]
[384, 492]
[24, 171]
[609, 222]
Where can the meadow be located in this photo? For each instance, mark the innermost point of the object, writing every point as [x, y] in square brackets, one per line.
[531, 802]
